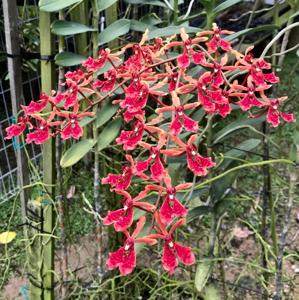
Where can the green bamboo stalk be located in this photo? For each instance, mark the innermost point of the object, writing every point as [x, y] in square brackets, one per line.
[60, 192]
[47, 47]
[79, 14]
[175, 11]
[96, 194]
[111, 16]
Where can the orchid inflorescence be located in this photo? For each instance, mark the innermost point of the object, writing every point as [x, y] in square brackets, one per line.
[153, 78]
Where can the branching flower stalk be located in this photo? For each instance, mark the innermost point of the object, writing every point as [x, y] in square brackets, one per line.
[149, 77]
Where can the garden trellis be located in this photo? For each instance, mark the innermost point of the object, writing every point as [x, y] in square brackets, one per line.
[31, 86]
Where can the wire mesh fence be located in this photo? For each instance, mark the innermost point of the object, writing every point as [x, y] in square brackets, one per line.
[28, 16]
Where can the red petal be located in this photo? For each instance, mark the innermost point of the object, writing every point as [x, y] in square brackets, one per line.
[129, 262]
[176, 126]
[199, 57]
[273, 117]
[185, 254]
[288, 117]
[115, 258]
[72, 130]
[157, 169]
[169, 260]
[190, 124]
[183, 60]
[39, 136]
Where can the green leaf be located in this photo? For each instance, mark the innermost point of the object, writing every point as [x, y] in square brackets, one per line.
[68, 59]
[198, 211]
[198, 114]
[237, 125]
[115, 30]
[150, 2]
[86, 120]
[250, 30]
[7, 237]
[55, 5]
[151, 19]
[68, 28]
[219, 188]
[109, 133]
[212, 292]
[203, 271]
[225, 5]
[76, 152]
[247, 145]
[140, 26]
[104, 4]
[106, 113]
[170, 30]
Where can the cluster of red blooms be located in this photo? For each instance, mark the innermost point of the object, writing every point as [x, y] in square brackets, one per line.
[152, 73]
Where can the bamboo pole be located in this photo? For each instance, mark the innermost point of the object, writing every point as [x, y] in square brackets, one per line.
[96, 185]
[47, 47]
[60, 192]
[111, 16]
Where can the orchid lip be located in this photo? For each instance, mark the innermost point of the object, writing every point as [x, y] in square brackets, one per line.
[125, 207]
[153, 155]
[193, 152]
[41, 127]
[180, 113]
[170, 244]
[127, 247]
[171, 196]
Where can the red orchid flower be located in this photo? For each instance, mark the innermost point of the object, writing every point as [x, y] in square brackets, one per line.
[76, 84]
[108, 84]
[217, 41]
[256, 67]
[180, 119]
[173, 252]
[198, 58]
[18, 128]
[94, 64]
[136, 96]
[123, 181]
[125, 257]
[171, 206]
[249, 99]
[42, 132]
[122, 218]
[72, 129]
[197, 163]
[220, 102]
[154, 159]
[274, 115]
[36, 106]
[130, 139]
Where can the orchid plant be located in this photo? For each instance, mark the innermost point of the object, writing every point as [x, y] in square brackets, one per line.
[153, 79]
